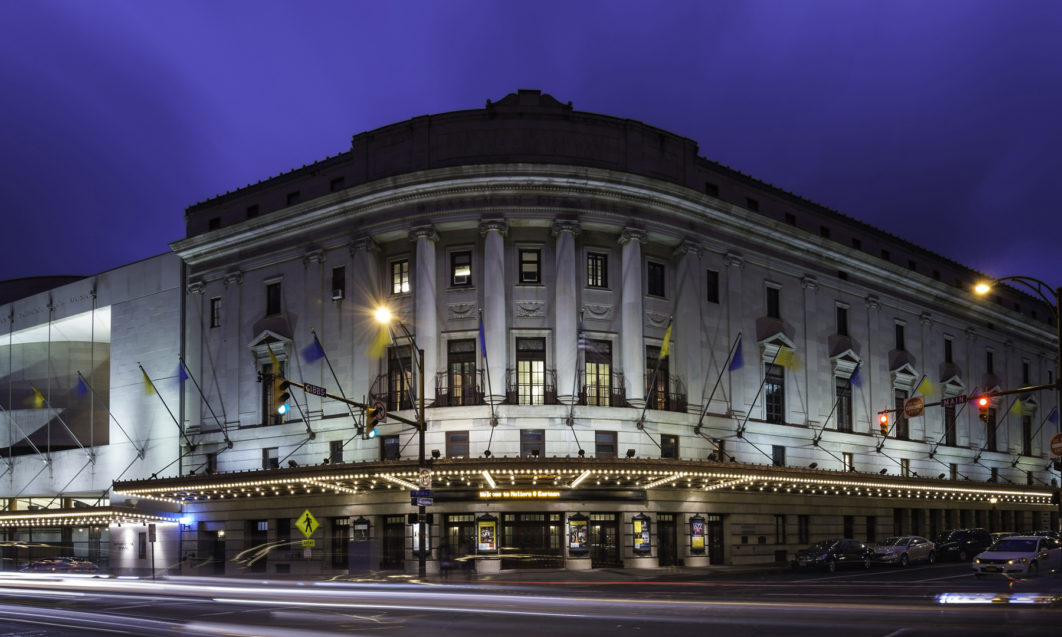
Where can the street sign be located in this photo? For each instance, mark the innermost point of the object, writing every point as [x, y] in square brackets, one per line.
[151, 533]
[315, 390]
[381, 409]
[425, 478]
[954, 400]
[309, 542]
[421, 493]
[307, 523]
[1056, 445]
[914, 406]
[425, 502]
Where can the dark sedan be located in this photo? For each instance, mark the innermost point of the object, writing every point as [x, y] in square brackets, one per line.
[830, 555]
[962, 544]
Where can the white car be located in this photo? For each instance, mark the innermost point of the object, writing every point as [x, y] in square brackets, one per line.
[1020, 555]
[904, 550]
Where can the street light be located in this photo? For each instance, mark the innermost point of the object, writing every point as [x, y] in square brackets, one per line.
[1046, 293]
[384, 316]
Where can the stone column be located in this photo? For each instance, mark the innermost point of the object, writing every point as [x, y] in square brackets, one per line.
[198, 311]
[365, 293]
[565, 311]
[632, 349]
[494, 314]
[749, 374]
[229, 361]
[686, 342]
[816, 413]
[426, 324]
[876, 379]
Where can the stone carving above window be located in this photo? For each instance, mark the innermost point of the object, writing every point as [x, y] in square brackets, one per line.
[461, 311]
[530, 309]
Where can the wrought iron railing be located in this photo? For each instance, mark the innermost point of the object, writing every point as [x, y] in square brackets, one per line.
[454, 390]
[610, 393]
[669, 393]
[531, 391]
[395, 398]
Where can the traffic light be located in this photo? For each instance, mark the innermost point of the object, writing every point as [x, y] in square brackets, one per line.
[883, 422]
[281, 396]
[983, 403]
[372, 418]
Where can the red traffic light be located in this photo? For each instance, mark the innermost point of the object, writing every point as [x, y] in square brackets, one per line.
[982, 402]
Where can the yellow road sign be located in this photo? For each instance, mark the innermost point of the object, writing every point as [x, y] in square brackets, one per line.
[307, 523]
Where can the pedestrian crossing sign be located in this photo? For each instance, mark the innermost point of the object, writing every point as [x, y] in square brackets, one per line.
[307, 523]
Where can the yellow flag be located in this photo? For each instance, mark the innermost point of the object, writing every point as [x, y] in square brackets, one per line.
[786, 358]
[1017, 408]
[149, 387]
[925, 387]
[37, 400]
[665, 349]
[273, 360]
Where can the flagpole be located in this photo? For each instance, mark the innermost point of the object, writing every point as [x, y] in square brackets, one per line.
[324, 355]
[224, 430]
[486, 365]
[140, 450]
[726, 367]
[774, 360]
[847, 386]
[664, 351]
[191, 445]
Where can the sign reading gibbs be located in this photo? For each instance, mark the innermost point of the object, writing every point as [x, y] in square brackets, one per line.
[518, 494]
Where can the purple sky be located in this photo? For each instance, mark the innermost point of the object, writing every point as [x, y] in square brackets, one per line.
[940, 122]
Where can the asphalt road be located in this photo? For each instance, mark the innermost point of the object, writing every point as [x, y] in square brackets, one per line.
[880, 602]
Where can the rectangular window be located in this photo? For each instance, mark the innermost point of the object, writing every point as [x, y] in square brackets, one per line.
[530, 266]
[252, 211]
[901, 428]
[335, 451]
[900, 340]
[824, 232]
[141, 545]
[803, 529]
[848, 461]
[605, 444]
[461, 372]
[712, 294]
[1026, 435]
[947, 351]
[456, 444]
[773, 304]
[390, 448]
[655, 278]
[336, 183]
[400, 277]
[270, 458]
[399, 379]
[531, 371]
[857, 243]
[272, 298]
[214, 223]
[669, 446]
[844, 404]
[872, 529]
[885, 254]
[711, 189]
[778, 455]
[849, 526]
[990, 362]
[339, 283]
[752, 204]
[293, 197]
[597, 381]
[905, 467]
[779, 529]
[461, 269]
[532, 443]
[658, 395]
[596, 270]
[1025, 373]
[950, 432]
[774, 393]
[215, 312]
[990, 430]
[842, 320]
[340, 542]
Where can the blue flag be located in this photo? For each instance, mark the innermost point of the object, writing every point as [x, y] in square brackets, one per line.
[1053, 416]
[313, 352]
[482, 339]
[81, 388]
[738, 361]
[182, 374]
[856, 379]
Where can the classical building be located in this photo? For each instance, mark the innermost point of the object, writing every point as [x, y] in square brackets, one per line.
[627, 355]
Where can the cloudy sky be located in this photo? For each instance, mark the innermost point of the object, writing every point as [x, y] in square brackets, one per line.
[935, 121]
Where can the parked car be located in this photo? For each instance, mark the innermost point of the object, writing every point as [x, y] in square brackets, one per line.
[833, 554]
[1026, 555]
[1054, 534]
[962, 544]
[999, 535]
[903, 550]
[60, 565]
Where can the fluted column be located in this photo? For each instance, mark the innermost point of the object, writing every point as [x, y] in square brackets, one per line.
[813, 360]
[750, 374]
[565, 311]
[426, 324]
[631, 322]
[494, 322]
[686, 348]
[365, 285]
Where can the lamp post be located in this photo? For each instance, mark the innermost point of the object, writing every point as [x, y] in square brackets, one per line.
[1045, 292]
[384, 316]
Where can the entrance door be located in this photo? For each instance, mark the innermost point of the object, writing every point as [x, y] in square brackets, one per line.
[714, 527]
[604, 541]
[666, 531]
[533, 538]
[393, 551]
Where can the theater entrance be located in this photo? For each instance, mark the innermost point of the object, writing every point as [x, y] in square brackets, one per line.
[604, 540]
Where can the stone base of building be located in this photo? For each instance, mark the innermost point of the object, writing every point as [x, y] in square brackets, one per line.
[577, 564]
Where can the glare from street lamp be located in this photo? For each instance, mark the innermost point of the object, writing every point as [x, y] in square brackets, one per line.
[383, 315]
[982, 288]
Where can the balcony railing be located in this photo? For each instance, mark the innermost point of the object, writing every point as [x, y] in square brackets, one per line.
[610, 393]
[665, 397]
[531, 393]
[455, 390]
[395, 398]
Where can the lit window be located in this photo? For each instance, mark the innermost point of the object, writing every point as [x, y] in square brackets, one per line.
[400, 277]
[530, 266]
[461, 269]
[596, 270]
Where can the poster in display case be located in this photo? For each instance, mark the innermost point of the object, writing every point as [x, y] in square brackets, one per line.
[642, 537]
[697, 535]
[578, 534]
[487, 534]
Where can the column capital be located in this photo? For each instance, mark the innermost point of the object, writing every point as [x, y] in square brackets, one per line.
[633, 234]
[688, 246]
[315, 255]
[499, 225]
[733, 259]
[364, 243]
[196, 287]
[925, 318]
[809, 282]
[423, 232]
[566, 225]
[234, 278]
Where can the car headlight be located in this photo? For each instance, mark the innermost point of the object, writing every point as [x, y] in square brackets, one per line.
[977, 560]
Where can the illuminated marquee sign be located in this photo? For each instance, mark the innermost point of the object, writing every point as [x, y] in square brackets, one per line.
[520, 494]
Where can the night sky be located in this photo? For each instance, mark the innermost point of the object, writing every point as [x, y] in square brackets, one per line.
[937, 121]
